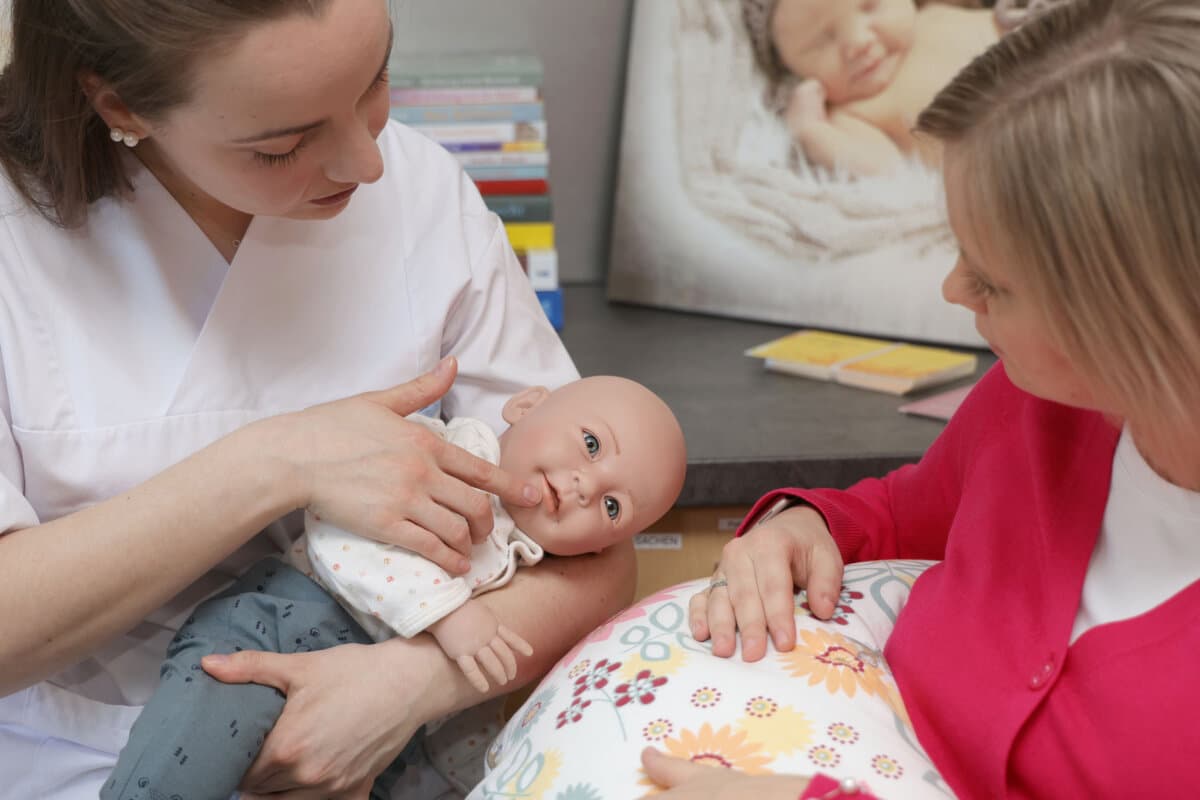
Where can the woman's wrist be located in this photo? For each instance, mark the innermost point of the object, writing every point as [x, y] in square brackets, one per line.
[271, 444]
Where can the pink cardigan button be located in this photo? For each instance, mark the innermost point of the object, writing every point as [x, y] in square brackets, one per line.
[1042, 677]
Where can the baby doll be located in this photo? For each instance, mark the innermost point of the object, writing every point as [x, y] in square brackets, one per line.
[852, 75]
[610, 458]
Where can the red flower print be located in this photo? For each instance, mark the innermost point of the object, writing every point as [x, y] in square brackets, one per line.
[597, 678]
[573, 712]
[641, 688]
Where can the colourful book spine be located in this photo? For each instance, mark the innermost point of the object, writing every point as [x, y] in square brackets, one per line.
[530, 235]
[508, 173]
[485, 132]
[552, 304]
[451, 97]
[542, 268]
[502, 159]
[496, 147]
[498, 187]
[452, 115]
[450, 70]
[521, 208]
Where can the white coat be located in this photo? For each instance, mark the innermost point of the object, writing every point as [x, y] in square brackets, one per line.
[129, 344]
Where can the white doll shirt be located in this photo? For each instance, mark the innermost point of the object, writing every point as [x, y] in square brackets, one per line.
[390, 590]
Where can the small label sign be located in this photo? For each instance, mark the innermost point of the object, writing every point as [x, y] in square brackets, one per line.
[658, 541]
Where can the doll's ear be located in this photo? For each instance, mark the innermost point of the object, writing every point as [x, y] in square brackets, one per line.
[523, 402]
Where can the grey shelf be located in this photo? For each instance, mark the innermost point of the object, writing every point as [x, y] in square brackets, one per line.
[748, 430]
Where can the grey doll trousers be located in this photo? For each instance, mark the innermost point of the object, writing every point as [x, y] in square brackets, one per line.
[196, 737]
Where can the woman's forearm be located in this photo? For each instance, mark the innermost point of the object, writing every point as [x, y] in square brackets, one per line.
[552, 606]
[68, 585]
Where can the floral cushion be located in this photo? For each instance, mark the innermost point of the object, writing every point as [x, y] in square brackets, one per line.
[829, 705]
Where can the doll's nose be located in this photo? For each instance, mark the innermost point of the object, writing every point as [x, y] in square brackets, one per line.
[581, 480]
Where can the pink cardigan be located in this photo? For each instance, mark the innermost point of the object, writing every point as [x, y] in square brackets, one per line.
[1011, 498]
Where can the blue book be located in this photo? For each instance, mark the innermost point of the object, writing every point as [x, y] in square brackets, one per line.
[552, 304]
[468, 112]
[508, 173]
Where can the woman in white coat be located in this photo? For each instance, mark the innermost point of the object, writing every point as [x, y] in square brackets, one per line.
[224, 279]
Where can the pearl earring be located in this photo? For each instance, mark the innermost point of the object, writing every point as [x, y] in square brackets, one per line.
[129, 139]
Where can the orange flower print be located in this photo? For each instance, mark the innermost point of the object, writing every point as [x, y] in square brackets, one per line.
[721, 748]
[841, 664]
[724, 747]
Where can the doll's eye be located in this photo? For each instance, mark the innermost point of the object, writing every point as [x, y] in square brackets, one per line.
[612, 508]
[591, 443]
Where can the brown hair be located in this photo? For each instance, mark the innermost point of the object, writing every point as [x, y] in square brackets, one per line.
[53, 145]
[1080, 131]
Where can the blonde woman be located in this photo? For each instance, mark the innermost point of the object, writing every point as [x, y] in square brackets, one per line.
[1053, 652]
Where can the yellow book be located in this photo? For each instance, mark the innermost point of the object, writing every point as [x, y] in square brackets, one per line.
[530, 235]
[883, 366]
[814, 354]
[523, 147]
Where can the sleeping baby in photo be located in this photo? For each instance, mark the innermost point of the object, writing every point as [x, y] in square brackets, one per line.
[610, 458]
[850, 76]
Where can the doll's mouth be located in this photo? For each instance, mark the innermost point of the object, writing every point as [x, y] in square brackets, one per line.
[551, 494]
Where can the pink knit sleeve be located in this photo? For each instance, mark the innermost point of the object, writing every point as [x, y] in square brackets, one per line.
[907, 513]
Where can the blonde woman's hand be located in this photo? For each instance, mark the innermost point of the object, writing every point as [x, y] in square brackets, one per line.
[683, 779]
[752, 588]
[363, 467]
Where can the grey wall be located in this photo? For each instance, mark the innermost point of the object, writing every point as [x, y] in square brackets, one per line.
[583, 44]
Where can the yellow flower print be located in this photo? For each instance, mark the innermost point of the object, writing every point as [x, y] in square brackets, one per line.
[667, 666]
[780, 729]
[721, 748]
[536, 789]
[841, 664]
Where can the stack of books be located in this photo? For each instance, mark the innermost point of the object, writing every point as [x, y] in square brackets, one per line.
[487, 109]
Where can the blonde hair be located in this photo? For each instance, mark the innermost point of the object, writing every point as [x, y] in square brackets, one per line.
[1081, 134]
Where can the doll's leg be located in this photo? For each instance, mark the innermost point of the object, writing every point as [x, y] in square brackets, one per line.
[197, 736]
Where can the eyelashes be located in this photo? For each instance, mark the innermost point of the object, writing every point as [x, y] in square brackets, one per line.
[279, 159]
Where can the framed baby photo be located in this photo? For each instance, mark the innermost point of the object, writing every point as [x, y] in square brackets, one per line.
[762, 178]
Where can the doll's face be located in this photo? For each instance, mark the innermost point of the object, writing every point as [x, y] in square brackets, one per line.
[608, 454]
[853, 47]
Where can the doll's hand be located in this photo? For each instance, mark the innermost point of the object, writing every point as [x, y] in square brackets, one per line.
[806, 106]
[759, 570]
[472, 636]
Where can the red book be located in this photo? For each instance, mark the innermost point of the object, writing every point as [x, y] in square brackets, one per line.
[538, 186]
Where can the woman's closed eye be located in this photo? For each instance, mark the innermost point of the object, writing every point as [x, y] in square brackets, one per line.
[279, 159]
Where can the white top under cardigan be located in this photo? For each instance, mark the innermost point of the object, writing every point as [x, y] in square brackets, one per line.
[129, 344]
